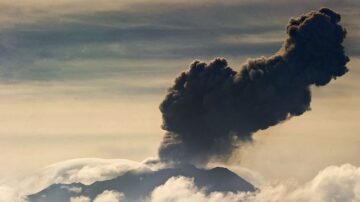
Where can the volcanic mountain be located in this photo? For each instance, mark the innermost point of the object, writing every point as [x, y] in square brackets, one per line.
[137, 185]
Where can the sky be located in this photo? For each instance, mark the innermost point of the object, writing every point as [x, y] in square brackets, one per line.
[85, 79]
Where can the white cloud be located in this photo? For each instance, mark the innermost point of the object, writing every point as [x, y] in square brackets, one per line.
[182, 189]
[80, 199]
[8, 194]
[333, 184]
[74, 189]
[156, 164]
[86, 171]
[110, 196]
[89, 170]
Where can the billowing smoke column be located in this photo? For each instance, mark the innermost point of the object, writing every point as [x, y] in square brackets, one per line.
[212, 108]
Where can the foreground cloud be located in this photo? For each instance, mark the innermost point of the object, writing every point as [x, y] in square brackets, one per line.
[334, 183]
[80, 199]
[110, 196]
[186, 190]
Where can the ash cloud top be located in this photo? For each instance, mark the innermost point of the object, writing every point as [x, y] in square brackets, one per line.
[211, 108]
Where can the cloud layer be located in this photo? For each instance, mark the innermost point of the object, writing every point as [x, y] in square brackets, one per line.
[85, 171]
[334, 183]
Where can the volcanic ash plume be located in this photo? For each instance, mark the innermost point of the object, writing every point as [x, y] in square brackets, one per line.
[211, 108]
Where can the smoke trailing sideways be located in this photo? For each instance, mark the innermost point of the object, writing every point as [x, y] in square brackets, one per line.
[212, 108]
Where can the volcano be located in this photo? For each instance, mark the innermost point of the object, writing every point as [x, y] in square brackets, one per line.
[137, 185]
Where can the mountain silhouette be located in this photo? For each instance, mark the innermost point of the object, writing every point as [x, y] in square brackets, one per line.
[137, 185]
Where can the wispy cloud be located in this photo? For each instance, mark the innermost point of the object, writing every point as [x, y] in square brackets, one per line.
[43, 46]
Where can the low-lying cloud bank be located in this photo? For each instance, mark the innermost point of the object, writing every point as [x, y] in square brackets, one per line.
[334, 183]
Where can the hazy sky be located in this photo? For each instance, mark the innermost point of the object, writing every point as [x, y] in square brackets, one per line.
[85, 79]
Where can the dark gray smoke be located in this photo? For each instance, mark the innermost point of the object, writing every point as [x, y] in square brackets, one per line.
[211, 107]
